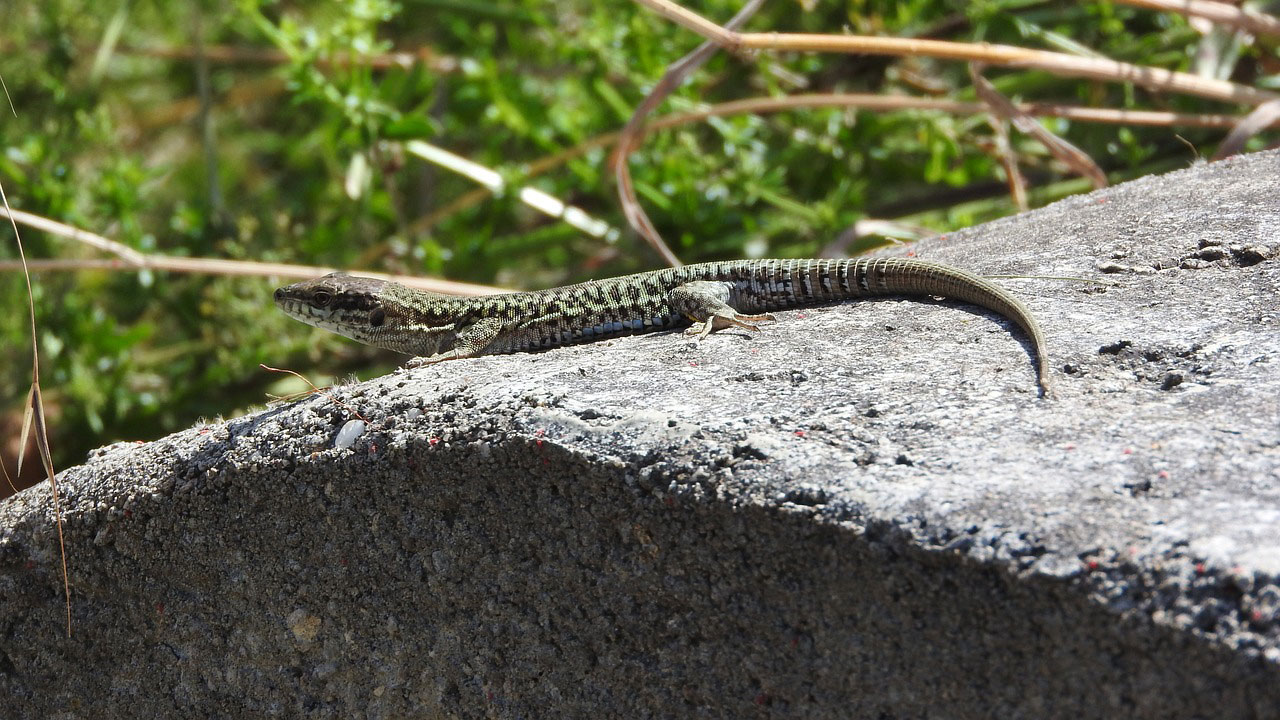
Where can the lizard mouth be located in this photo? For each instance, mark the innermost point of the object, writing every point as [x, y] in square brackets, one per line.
[299, 310]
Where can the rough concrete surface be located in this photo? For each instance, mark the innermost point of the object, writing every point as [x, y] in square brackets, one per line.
[864, 511]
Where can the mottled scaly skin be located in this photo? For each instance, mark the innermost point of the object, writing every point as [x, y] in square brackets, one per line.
[712, 296]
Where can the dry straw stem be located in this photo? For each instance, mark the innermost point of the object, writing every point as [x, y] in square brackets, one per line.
[1218, 12]
[129, 259]
[888, 103]
[1003, 151]
[1005, 55]
[355, 413]
[493, 181]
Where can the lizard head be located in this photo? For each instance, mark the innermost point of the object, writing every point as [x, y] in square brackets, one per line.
[375, 312]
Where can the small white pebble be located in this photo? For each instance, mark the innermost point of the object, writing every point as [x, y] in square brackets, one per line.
[348, 434]
[414, 413]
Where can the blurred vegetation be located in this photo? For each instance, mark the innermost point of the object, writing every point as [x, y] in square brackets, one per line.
[285, 143]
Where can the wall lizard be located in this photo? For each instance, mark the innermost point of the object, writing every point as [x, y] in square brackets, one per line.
[713, 296]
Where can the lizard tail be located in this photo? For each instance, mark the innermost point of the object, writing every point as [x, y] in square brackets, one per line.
[901, 276]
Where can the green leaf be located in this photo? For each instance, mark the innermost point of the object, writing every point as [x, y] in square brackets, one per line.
[408, 127]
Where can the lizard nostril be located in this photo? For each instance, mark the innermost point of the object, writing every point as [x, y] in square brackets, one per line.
[279, 294]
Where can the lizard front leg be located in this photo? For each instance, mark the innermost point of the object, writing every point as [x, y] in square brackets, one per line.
[471, 341]
[706, 303]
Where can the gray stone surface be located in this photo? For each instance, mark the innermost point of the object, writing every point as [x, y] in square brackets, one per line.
[863, 512]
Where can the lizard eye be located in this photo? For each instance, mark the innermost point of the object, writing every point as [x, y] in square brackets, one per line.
[377, 317]
[321, 298]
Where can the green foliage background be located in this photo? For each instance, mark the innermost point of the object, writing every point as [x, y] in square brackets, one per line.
[109, 138]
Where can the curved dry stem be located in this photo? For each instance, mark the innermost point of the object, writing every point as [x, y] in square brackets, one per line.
[33, 416]
[630, 136]
[1264, 116]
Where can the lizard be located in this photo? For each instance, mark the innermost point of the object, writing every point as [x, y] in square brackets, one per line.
[712, 296]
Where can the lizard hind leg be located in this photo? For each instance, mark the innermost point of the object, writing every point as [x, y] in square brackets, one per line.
[706, 303]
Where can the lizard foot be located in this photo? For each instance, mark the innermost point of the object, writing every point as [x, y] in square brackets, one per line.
[720, 321]
[418, 362]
